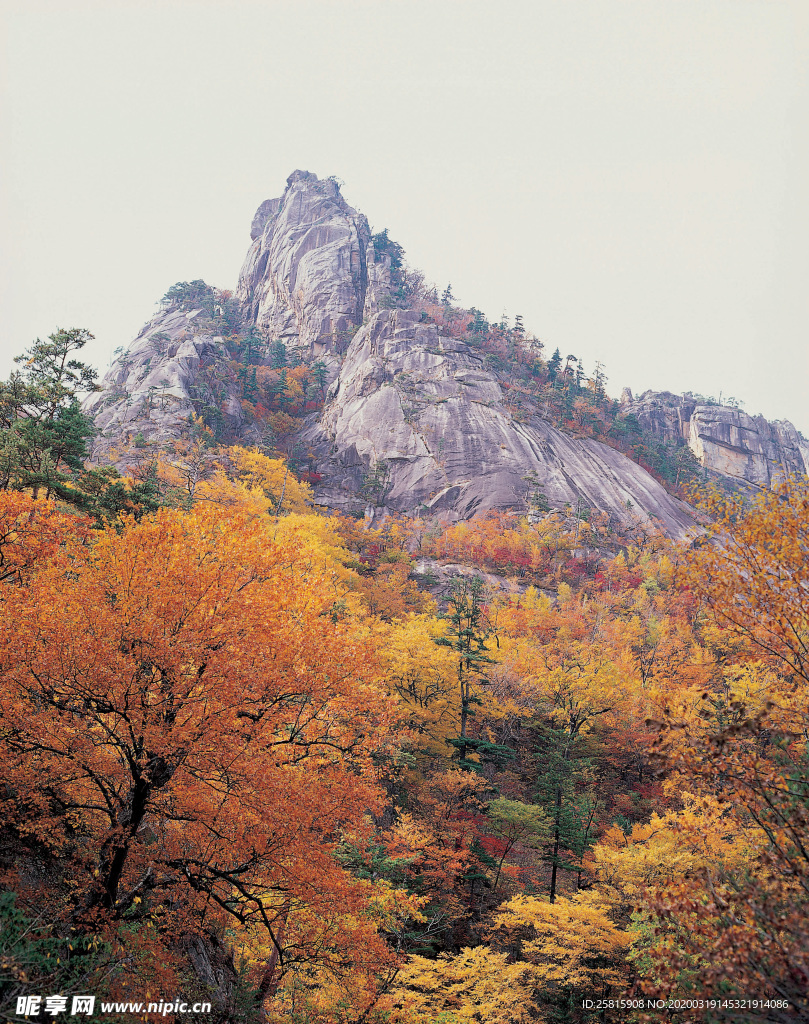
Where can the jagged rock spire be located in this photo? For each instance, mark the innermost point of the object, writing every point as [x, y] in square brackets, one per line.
[311, 275]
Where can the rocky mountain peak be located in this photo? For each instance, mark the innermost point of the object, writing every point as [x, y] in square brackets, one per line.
[312, 273]
[419, 415]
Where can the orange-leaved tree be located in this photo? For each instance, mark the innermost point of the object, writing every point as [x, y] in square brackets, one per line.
[186, 734]
[31, 531]
[742, 929]
[753, 577]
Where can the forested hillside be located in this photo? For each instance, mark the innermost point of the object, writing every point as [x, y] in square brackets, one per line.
[315, 769]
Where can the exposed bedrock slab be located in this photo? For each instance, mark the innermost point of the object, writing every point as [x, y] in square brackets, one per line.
[413, 419]
[424, 408]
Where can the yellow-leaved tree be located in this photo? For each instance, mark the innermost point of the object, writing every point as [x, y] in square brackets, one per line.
[477, 986]
[245, 478]
[740, 927]
[423, 677]
[572, 944]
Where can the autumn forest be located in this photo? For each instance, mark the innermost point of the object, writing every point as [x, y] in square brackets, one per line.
[255, 752]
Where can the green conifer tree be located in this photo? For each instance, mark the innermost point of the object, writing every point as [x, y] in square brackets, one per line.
[467, 637]
[45, 433]
[564, 792]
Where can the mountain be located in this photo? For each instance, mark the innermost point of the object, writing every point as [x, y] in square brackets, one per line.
[419, 412]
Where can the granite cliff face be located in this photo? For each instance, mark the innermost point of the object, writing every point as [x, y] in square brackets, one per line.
[310, 277]
[413, 419]
[151, 387]
[748, 450]
[419, 415]
[312, 273]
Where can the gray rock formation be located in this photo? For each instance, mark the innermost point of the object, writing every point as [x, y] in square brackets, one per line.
[415, 422]
[311, 274]
[663, 413]
[150, 387]
[748, 450]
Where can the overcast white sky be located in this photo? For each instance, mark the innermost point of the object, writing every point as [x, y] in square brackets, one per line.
[631, 177]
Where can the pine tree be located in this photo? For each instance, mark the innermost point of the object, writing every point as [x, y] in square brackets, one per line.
[251, 385]
[44, 432]
[278, 355]
[385, 246]
[568, 402]
[320, 373]
[563, 792]
[281, 388]
[250, 346]
[467, 637]
[599, 380]
[479, 326]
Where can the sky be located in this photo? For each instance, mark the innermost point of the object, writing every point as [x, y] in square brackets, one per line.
[629, 177]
